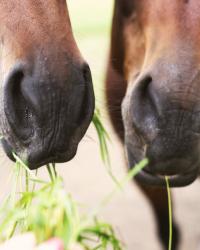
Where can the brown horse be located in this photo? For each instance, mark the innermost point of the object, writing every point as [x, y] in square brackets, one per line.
[154, 77]
[47, 99]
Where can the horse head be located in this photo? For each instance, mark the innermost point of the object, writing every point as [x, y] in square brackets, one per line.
[159, 49]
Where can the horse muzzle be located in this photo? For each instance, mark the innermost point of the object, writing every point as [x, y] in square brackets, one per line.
[46, 114]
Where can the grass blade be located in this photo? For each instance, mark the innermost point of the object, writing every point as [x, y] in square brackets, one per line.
[170, 213]
[103, 138]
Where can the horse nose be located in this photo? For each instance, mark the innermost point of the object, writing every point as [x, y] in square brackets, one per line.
[40, 108]
[164, 125]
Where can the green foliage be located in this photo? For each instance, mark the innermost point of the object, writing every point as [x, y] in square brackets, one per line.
[50, 212]
[103, 137]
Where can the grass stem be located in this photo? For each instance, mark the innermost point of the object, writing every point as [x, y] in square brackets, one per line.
[170, 213]
[50, 172]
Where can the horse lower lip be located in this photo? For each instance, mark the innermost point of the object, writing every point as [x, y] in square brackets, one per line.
[47, 161]
[174, 181]
[58, 158]
[37, 161]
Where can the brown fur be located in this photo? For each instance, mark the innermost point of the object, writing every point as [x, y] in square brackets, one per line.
[35, 29]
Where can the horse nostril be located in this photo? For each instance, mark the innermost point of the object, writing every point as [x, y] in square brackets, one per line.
[143, 87]
[86, 72]
[87, 97]
[144, 103]
[17, 109]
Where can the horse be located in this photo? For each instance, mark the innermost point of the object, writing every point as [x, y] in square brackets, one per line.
[47, 98]
[152, 95]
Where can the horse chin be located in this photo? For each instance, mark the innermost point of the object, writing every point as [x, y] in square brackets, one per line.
[157, 178]
[58, 157]
[180, 180]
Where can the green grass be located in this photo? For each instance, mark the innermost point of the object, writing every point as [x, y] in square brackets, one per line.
[45, 209]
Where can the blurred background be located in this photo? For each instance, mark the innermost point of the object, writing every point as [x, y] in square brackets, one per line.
[86, 178]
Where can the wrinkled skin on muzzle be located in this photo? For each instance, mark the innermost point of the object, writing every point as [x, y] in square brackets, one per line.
[161, 103]
[46, 92]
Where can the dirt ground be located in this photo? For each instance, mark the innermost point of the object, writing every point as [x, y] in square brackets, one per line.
[87, 180]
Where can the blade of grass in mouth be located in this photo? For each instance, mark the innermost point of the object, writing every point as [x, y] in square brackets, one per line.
[170, 212]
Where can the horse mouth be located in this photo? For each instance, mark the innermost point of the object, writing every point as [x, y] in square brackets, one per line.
[180, 172]
[179, 180]
[38, 158]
